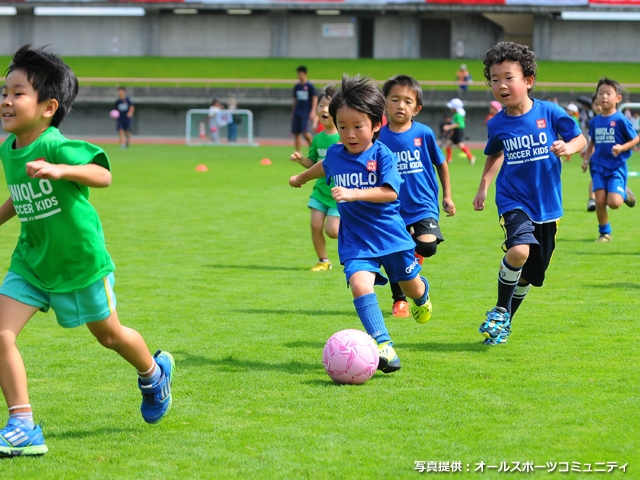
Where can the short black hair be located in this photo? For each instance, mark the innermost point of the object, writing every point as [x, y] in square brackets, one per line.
[49, 76]
[301, 68]
[404, 81]
[510, 52]
[328, 91]
[359, 94]
[612, 83]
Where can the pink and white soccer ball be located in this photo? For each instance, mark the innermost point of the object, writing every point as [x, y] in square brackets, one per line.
[350, 356]
[114, 114]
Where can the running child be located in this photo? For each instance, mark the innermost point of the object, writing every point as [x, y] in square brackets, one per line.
[456, 127]
[612, 138]
[524, 146]
[60, 261]
[324, 212]
[417, 150]
[372, 234]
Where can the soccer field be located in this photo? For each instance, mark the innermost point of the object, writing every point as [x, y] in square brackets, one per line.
[214, 268]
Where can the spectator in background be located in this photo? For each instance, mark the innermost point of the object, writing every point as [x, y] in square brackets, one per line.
[463, 77]
[234, 121]
[125, 106]
[303, 111]
[494, 107]
[214, 111]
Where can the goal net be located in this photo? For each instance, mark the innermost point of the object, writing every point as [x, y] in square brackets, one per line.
[228, 128]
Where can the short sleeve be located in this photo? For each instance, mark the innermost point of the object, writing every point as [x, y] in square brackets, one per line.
[565, 126]
[435, 153]
[388, 170]
[628, 130]
[313, 150]
[312, 90]
[79, 152]
[493, 145]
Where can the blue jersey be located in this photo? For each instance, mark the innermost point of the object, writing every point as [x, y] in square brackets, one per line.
[303, 93]
[529, 179]
[605, 132]
[367, 229]
[417, 152]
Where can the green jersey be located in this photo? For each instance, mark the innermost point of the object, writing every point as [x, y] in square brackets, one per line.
[317, 152]
[459, 119]
[61, 246]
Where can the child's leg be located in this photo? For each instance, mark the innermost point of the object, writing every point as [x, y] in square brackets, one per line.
[509, 274]
[467, 152]
[14, 315]
[518, 296]
[125, 341]
[449, 151]
[604, 227]
[317, 235]
[332, 226]
[614, 200]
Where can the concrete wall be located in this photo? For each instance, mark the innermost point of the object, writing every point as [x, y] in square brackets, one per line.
[556, 39]
[397, 36]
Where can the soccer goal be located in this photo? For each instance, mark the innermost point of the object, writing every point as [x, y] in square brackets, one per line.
[228, 128]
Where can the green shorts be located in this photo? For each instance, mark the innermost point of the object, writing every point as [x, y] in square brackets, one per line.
[91, 304]
[318, 205]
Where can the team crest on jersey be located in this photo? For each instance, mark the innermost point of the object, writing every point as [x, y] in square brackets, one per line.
[612, 123]
[372, 165]
[542, 123]
[417, 142]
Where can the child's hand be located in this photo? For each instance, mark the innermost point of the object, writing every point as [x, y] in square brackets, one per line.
[295, 182]
[43, 169]
[448, 206]
[559, 148]
[341, 194]
[585, 165]
[616, 150]
[296, 157]
[478, 200]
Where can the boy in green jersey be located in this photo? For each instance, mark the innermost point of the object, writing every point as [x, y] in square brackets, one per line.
[324, 212]
[456, 127]
[60, 261]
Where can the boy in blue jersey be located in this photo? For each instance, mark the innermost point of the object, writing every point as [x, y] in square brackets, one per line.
[612, 138]
[523, 145]
[417, 150]
[372, 234]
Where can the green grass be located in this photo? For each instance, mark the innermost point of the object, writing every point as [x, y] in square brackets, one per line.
[284, 68]
[213, 267]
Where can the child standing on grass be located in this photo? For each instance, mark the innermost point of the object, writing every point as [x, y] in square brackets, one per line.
[324, 212]
[611, 143]
[457, 127]
[60, 261]
[372, 234]
[125, 106]
[523, 146]
[417, 150]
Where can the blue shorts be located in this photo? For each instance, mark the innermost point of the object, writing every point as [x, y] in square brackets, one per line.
[318, 205]
[300, 123]
[91, 304]
[613, 181]
[400, 266]
[124, 124]
[541, 238]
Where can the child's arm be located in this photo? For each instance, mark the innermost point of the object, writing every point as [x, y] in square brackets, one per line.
[447, 202]
[305, 162]
[316, 171]
[587, 155]
[381, 194]
[491, 168]
[132, 108]
[91, 174]
[560, 148]
[618, 149]
[7, 211]
[450, 126]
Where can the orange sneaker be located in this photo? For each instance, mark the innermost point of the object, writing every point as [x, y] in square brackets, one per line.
[401, 309]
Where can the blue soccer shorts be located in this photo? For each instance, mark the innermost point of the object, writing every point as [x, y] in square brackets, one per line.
[400, 267]
[93, 303]
[613, 181]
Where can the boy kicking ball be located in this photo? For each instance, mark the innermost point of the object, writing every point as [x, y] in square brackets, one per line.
[60, 261]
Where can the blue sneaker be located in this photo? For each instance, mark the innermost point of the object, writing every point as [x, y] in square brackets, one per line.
[19, 438]
[156, 399]
[501, 338]
[497, 320]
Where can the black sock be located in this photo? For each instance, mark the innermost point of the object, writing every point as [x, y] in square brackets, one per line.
[397, 293]
[507, 283]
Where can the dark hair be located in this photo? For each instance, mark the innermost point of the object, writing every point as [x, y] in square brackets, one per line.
[612, 83]
[301, 68]
[49, 76]
[328, 91]
[510, 52]
[361, 95]
[404, 81]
